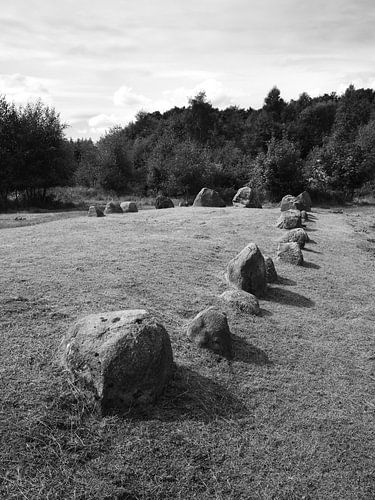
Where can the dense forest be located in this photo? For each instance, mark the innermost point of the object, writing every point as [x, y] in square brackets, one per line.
[325, 144]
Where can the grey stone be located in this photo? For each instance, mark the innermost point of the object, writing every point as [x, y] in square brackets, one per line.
[298, 235]
[113, 207]
[271, 274]
[95, 212]
[289, 219]
[246, 197]
[290, 253]
[247, 271]
[163, 202]
[243, 301]
[208, 198]
[123, 357]
[290, 202]
[210, 330]
[128, 206]
[305, 201]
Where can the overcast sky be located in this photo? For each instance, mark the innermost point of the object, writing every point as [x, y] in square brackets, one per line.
[99, 62]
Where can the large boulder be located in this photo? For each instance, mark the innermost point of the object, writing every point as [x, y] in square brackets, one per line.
[208, 198]
[290, 253]
[246, 197]
[163, 202]
[305, 201]
[128, 206]
[289, 219]
[247, 271]
[210, 330]
[113, 207]
[271, 274]
[290, 202]
[95, 212]
[243, 301]
[123, 357]
[298, 235]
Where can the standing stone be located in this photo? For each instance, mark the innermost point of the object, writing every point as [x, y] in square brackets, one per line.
[246, 197]
[289, 219]
[304, 216]
[123, 357]
[113, 207]
[247, 271]
[290, 253]
[208, 198]
[290, 202]
[210, 330]
[298, 235]
[243, 301]
[305, 200]
[95, 212]
[128, 206]
[163, 202]
[271, 274]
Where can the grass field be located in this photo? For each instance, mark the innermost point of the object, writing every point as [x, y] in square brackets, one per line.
[291, 417]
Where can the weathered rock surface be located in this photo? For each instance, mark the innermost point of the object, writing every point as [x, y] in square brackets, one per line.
[124, 357]
[289, 219]
[128, 206]
[95, 212]
[247, 271]
[208, 198]
[290, 252]
[246, 197]
[298, 235]
[305, 201]
[243, 301]
[163, 202]
[113, 207]
[210, 330]
[271, 274]
[304, 216]
[290, 202]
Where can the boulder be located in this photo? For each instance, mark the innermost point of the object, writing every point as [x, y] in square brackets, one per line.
[113, 207]
[247, 271]
[305, 201]
[271, 274]
[95, 212]
[289, 219]
[128, 206]
[163, 202]
[210, 330]
[243, 301]
[290, 202]
[304, 216]
[290, 252]
[208, 198]
[246, 197]
[123, 357]
[298, 235]
[183, 204]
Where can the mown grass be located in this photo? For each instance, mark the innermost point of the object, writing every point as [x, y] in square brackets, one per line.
[291, 417]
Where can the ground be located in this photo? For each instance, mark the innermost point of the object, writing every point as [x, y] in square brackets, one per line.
[291, 417]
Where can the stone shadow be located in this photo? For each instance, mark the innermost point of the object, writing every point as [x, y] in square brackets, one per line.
[310, 265]
[190, 396]
[282, 296]
[286, 281]
[248, 353]
[311, 250]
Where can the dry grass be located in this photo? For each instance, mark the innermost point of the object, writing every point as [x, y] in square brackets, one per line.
[291, 417]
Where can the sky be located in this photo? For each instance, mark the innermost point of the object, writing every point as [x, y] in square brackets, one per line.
[100, 62]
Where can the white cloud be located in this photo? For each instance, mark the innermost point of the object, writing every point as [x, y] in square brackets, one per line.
[22, 89]
[125, 96]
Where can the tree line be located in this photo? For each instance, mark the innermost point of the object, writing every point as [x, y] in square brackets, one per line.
[325, 144]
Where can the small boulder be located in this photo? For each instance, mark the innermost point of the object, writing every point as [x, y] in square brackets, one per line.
[289, 219]
[243, 301]
[298, 235]
[123, 357]
[290, 202]
[95, 212]
[246, 197]
[247, 271]
[208, 198]
[128, 206]
[304, 216]
[163, 202]
[305, 201]
[290, 253]
[183, 204]
[113, 207]
[271, 274]
[210, 330]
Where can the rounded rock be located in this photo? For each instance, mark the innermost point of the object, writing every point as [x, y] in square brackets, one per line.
[210, 330]
[243, 301]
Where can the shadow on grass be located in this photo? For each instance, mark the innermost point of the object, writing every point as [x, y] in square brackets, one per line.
[286, 281]
[310, 265]
[276, 294]
[190, 396]
[248, 353]
[311, 250]
[264, 312]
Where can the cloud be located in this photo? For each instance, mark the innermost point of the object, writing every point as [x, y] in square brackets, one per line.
[125, 96]
[22, 89]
